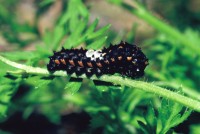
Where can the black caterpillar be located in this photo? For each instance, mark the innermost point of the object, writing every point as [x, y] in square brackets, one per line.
[124, 58]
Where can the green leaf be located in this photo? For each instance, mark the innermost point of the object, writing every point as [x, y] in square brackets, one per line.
[99, 32]
[58, 34]
[38, 82]
[20, 55]
[129, 103]
[74, 23]
[97, 44]
[73, 86]
[97, 121]
[170, 115]
[151, 119]
[82, 9]
[75, 38]
[6, 92]
[92, 27]
[117, 2]
[46, 2]
[195, 128]
[143, 127]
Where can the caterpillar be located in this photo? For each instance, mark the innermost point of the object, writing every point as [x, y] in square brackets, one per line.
[123, 58]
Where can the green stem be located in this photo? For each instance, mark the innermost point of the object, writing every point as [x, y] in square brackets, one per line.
[189, 91]
[148, 87]
[169, 31]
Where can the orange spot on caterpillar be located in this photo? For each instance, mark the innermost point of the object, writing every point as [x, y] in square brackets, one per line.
[120, 58]
[57, 62]
[112, 59]
[80, 63]
[71, 62]
[99, 64]
[63, 61]
[89, 64]
[129, 58]
[107, 62]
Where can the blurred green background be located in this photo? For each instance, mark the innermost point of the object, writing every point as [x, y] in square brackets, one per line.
[167, 32]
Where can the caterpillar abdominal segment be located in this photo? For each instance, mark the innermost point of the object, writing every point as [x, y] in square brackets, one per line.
[124, 58]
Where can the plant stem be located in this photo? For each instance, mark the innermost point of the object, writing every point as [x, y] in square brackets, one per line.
[190, 92]
[169, 31]
[117, 80]
[148, 87]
